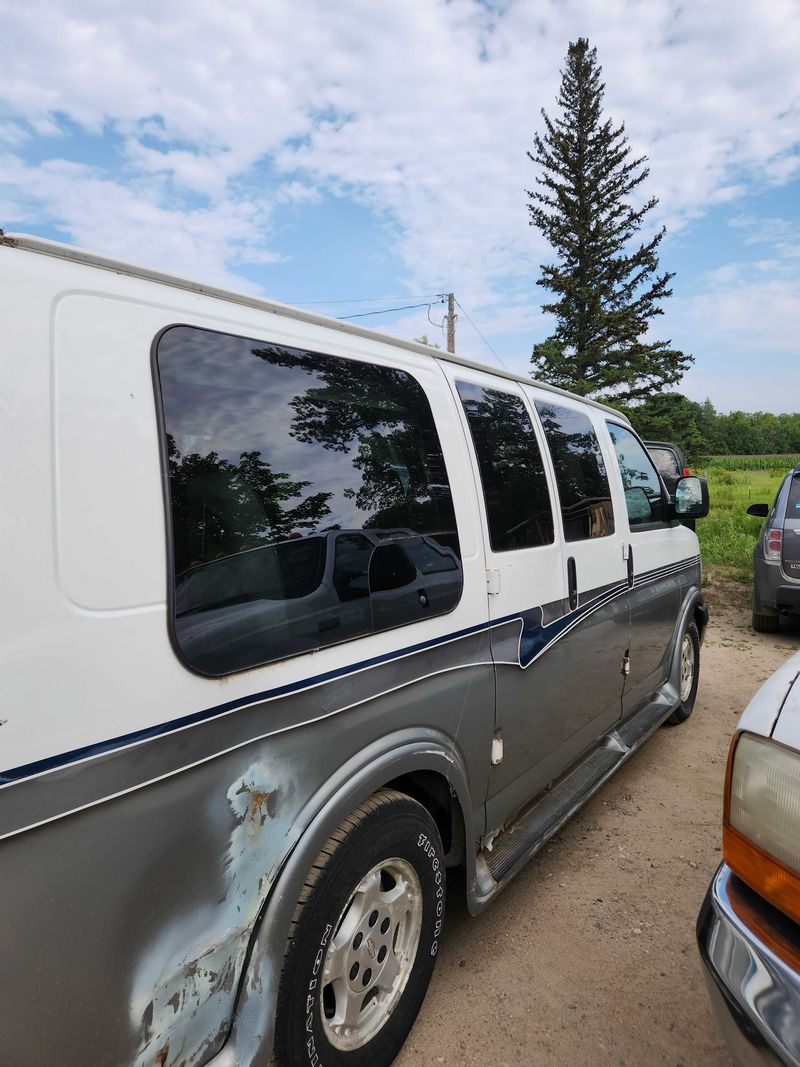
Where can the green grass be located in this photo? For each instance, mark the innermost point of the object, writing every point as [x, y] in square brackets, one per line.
[728, 534]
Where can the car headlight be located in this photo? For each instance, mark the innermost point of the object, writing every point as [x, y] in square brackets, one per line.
[761, 834]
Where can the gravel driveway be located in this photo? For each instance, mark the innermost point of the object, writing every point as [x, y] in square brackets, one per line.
[589, 957]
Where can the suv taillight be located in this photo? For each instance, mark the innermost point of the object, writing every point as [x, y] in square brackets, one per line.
[773, 542]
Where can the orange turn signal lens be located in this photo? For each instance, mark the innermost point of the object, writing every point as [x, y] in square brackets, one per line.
[762, 873]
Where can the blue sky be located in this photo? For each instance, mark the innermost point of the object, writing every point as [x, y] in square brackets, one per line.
[357, 156]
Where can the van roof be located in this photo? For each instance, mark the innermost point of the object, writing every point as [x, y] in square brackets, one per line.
[43, 246]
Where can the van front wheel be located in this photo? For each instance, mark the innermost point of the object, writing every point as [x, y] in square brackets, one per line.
[688, 675]
[364, 938]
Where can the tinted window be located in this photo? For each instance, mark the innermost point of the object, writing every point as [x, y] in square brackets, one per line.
[793, 503]
[309, 499]
[586, 507]
[666, 461]
[514, 483]
[643, 496]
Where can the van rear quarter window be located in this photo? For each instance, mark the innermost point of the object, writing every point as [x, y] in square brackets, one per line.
[309, 499]
[586, 507]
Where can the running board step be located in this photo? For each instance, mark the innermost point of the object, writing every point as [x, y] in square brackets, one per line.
[537, 824]
[635, 730]
[544, 817]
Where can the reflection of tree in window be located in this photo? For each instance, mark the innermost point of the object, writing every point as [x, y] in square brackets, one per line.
[384, 413]
[289, 474]
[586, 506]
[639, 475]
[220, 507]
[514, 484]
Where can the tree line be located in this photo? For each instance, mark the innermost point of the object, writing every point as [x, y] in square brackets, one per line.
[702, 431]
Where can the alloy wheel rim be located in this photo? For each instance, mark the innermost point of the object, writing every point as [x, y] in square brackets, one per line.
[687, 667]
[369, 958]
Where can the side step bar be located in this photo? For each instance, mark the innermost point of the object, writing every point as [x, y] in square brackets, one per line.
[548, 813]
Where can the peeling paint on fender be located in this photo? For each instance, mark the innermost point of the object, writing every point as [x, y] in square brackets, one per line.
[184, 990]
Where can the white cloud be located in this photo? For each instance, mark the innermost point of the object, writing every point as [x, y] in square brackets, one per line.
[131, 223]
[750, 315]
[752, 391]
[419, 108]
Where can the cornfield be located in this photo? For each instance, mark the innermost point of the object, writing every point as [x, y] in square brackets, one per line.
[773, 463]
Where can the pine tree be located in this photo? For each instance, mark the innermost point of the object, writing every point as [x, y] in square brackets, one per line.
[606, 285]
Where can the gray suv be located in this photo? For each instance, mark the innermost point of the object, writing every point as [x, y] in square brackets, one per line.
[776, 556]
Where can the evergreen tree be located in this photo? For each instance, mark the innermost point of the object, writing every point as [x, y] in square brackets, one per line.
[606, 286]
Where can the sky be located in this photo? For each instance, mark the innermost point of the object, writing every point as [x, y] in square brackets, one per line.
[357, 156]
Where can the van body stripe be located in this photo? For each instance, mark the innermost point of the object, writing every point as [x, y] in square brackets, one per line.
[534, 640]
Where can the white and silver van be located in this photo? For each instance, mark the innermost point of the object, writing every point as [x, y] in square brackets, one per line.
[295, 616]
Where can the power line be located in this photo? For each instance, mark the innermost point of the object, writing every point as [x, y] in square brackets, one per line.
[361, 300]
[478, 332]
[384, 311]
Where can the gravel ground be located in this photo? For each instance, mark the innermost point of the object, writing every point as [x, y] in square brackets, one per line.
[589, 956]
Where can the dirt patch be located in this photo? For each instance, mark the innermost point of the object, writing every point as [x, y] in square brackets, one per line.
[589, 956]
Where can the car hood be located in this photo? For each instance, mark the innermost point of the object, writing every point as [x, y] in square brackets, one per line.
[787, 729]
[777, 699]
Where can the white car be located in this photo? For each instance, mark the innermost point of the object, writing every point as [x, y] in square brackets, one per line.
[749, 926]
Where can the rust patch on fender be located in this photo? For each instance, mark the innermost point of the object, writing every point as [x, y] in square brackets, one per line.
[262, 805]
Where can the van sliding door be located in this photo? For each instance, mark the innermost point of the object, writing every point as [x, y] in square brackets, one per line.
[526, 580]
[590, 654]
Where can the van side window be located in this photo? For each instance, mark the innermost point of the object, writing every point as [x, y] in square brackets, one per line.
[512, 473]
[644, 498]
[581, 478]
[309, 500]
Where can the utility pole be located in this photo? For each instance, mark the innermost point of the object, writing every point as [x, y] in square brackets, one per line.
[451, 322]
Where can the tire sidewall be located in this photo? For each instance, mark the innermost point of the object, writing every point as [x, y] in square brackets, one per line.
[402, 829]
[686, 707]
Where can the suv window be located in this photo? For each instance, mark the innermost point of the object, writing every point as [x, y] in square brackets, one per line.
[665, 460]
[514, 483]
[793, 502]
[309, 499]
[581, 478]
[643, 494]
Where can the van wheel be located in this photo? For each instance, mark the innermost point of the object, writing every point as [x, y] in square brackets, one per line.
[766, 624]
[689, 675]
[363, 939]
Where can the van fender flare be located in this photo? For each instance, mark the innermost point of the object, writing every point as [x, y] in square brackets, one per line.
[252, 1030]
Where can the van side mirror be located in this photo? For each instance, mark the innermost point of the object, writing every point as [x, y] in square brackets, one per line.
[759, 510]
[691, 498]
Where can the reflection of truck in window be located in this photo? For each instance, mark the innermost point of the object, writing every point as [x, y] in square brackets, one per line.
[305, 592]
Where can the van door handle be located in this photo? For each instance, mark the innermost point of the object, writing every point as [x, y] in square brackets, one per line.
[630, 566]
[572, 582]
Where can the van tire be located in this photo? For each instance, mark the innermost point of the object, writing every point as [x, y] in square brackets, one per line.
[766, 624]
[690, 661]
[381, 870]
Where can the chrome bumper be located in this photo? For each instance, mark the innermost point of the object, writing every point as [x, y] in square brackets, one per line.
[755, 995]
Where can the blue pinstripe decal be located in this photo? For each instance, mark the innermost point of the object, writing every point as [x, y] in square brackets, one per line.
[534, 640]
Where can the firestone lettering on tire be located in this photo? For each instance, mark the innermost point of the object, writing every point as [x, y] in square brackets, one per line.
[311, 1049]
[429, 849]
